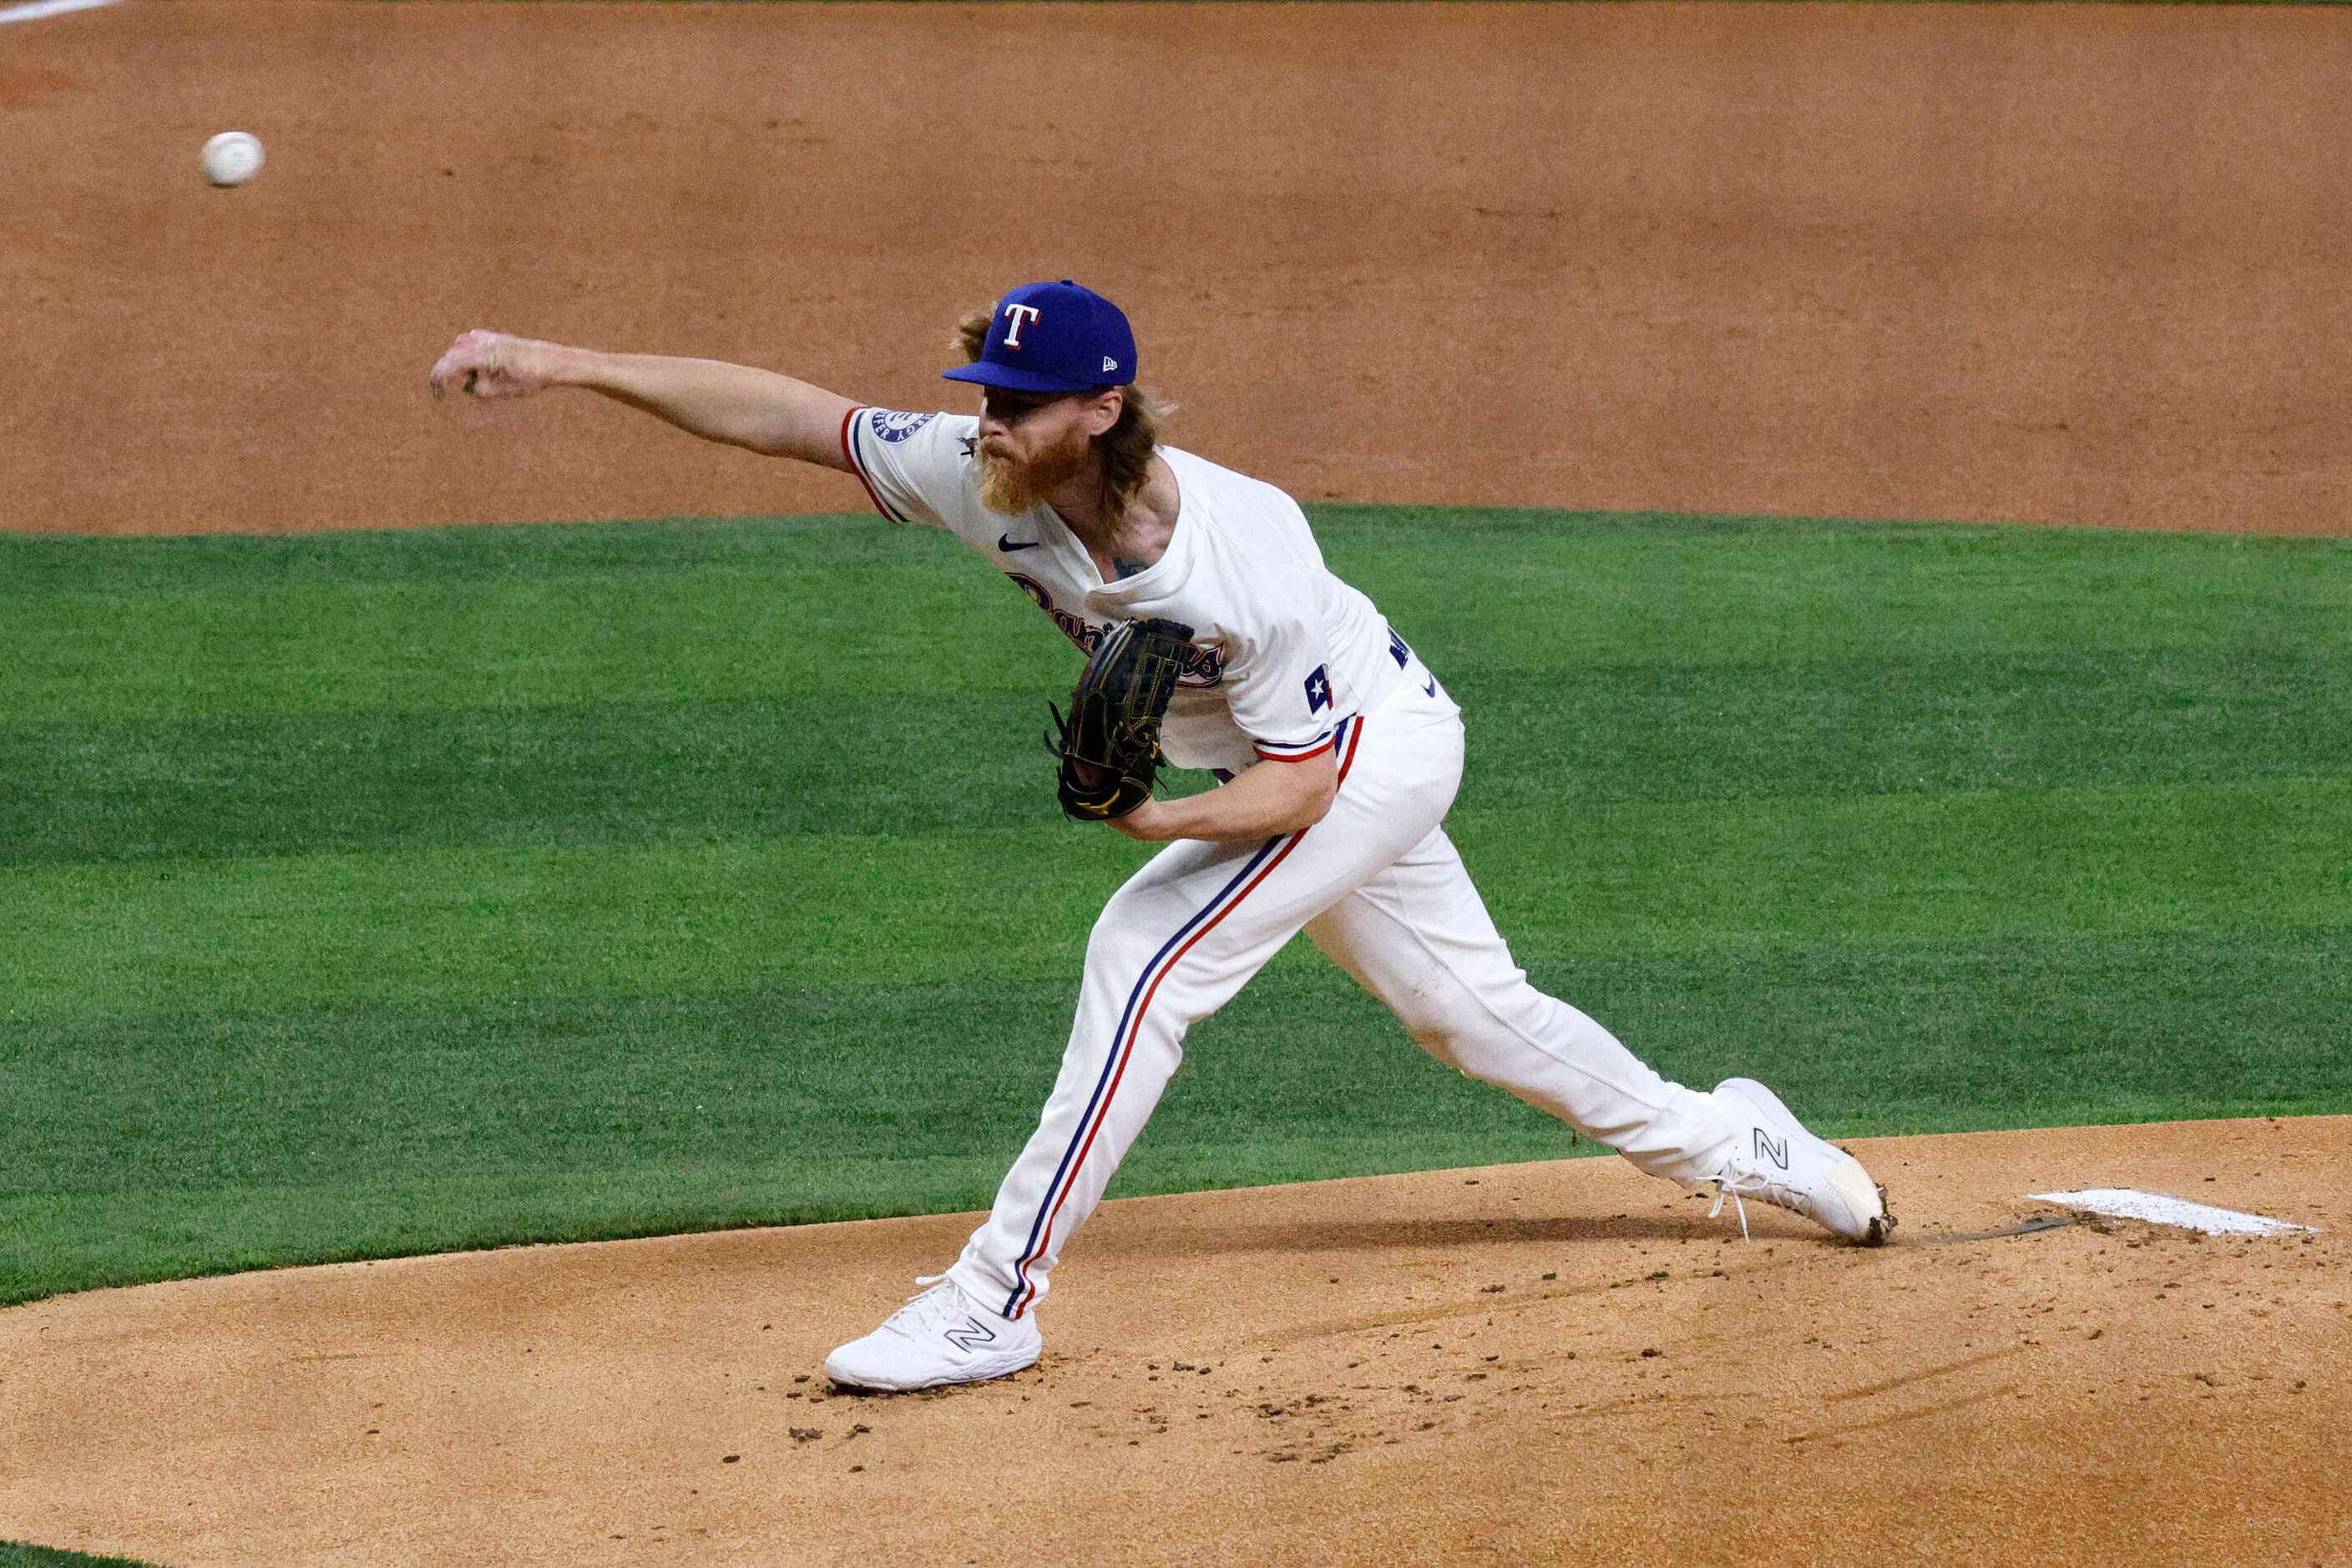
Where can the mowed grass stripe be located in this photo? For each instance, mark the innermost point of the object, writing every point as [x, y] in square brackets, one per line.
[694, 769]
[927, 624]
[180, 1142]
[1708, 878]
[106, 941]
[452, 925]
[442, 619]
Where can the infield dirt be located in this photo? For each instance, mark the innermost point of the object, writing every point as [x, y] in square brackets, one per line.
[1550, 1362]
[2064, 264]
[2055, 264]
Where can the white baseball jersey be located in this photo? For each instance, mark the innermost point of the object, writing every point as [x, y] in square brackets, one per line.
[1283, 652]
[1286, 659]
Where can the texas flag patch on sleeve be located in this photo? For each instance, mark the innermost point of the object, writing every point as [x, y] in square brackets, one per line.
[1319, 690]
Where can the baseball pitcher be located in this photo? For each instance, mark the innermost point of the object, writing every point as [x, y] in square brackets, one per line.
[1216, 638]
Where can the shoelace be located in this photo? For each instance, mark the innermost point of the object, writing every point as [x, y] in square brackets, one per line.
[1724, 1189]
[1757, 1185]
[906, 1317]
[1761, 1186]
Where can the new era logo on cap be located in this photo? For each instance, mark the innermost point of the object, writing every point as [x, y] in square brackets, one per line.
[1054, 337]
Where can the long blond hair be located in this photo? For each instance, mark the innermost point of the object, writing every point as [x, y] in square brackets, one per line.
[1124, 450]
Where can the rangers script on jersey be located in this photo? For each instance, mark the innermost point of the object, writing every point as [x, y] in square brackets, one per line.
[1283, 652]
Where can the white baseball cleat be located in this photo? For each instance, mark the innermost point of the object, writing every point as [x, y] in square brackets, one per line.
[1778, 1162]
[939, 1337]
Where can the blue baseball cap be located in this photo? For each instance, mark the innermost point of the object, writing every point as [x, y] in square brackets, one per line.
[1054, 337]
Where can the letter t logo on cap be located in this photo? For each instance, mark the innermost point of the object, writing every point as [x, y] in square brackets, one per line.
[1048, 338]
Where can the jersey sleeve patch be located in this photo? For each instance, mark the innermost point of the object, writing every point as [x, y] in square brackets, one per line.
[1318, 692]
[853, 446]
[894, 427]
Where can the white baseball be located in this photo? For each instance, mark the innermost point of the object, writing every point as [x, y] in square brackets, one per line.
[232, 157]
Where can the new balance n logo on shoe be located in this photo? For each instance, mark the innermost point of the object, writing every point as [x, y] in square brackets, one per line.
[1767, 1149]
[970, 1337]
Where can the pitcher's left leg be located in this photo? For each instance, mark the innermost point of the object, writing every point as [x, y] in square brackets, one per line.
[1173, 946]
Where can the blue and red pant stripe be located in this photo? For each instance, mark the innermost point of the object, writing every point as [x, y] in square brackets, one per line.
[1253, 871]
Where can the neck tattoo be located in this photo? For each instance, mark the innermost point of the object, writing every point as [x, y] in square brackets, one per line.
[1123, 566]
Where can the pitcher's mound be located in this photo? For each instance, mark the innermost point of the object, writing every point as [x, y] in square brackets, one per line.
[1554, 1362]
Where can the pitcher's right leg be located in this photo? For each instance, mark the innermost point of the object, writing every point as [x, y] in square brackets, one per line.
[1419, 938]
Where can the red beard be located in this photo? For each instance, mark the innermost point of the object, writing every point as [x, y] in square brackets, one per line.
[1010, 488]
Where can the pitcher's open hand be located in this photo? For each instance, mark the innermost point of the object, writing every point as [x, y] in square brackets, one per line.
[491, 364]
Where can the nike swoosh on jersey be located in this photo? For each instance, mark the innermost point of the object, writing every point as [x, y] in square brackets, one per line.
[1007, 543]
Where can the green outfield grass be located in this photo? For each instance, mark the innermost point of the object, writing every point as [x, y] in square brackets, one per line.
[382, 893]
[18, 1554]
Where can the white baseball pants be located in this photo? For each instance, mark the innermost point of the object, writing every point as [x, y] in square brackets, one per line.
[1378, 887]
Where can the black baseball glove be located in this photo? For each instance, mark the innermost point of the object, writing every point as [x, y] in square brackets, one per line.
[1109, 745]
